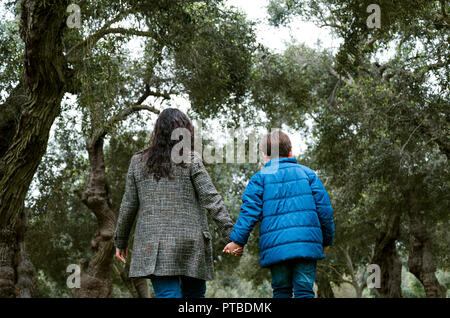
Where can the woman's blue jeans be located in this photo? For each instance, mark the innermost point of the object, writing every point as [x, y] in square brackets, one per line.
[296, 276]
[178, 287]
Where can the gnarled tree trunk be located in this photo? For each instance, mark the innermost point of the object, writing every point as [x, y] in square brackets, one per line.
[45, 68]
[96, 280]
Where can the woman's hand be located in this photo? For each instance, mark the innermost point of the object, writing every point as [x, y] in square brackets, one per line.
[121, 254]
[233, 249]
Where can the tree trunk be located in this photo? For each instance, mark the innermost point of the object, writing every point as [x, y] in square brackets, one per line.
[42, 25]
[10, 115]
[420, 261]
[357, 278]
[324, 289]
[18, 276]
[138, 287]
[386, 256]
[141, 286]
[25, 273]
[96, 280]
[359, 290]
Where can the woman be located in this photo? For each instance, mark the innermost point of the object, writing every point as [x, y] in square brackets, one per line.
[172, 243]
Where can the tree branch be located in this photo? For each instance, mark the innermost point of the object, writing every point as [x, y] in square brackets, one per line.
[92, 39]
[349, 263]
[341, 275]
[348, 81]
[332, 25]
[410, 136]
[442, 2]
[148, 92]
[102, 131]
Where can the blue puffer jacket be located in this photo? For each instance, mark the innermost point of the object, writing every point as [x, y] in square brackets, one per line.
[294, 209]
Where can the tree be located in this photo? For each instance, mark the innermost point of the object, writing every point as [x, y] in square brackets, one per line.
[44, 74]
[209, 22]
[55, 64]
[386, 123]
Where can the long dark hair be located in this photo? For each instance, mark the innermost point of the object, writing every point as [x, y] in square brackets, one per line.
[159, 161]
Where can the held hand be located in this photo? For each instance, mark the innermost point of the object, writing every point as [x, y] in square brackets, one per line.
[238, 252]
[325, 249]
[233, 249]
[121, 254]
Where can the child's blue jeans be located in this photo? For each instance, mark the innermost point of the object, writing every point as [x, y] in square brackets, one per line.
[296, 275]
[178, 287]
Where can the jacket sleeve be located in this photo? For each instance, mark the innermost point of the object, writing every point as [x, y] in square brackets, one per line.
[128, 210]
[209, 198]
[251, 210]
[323, 207]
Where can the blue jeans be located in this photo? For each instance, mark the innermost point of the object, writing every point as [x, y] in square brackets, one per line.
[296, 275]
[178, 287]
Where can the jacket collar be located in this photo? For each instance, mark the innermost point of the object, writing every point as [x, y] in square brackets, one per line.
[280, 160]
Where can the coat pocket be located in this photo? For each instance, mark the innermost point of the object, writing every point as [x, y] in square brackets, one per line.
[143, 258]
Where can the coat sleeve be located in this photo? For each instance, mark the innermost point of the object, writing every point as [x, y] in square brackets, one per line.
[128, 209]
[323, 207]
[209, 198]
[251, 210]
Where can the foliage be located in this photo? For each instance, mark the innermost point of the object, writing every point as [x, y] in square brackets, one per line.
[376, 123]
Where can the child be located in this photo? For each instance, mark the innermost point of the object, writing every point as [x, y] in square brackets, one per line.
[296, 217]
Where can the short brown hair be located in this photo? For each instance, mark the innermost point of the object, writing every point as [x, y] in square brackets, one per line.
[276, 140]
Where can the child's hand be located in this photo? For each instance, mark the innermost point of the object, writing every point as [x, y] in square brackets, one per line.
[233, 249]
[238, 252]
[325, 249]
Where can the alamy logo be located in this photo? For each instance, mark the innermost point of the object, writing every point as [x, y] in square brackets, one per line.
[374, 20]
[73, 281]
[74, 20]
[374, 279]
[232, 148]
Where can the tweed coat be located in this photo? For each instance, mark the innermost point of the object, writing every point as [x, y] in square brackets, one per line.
[171, 235]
